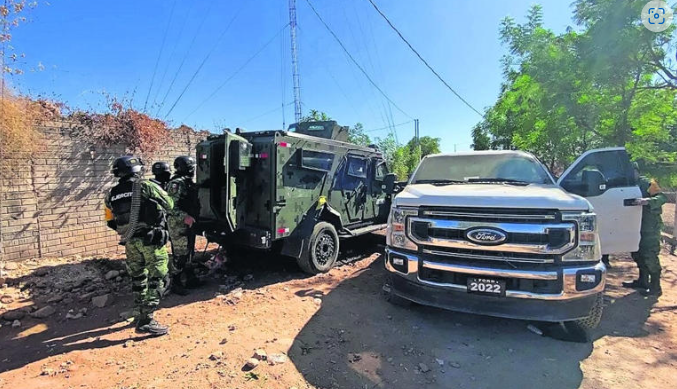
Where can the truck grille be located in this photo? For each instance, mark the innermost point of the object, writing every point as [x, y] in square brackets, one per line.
[530, 235]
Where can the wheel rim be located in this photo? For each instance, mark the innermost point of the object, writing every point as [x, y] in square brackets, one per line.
[325, 248]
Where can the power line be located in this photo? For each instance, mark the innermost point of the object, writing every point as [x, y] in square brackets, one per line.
[244, 65]
[204, 60]
[390, 127]
[354, 61]
[157, 62]
[190, 45]
[423, 60]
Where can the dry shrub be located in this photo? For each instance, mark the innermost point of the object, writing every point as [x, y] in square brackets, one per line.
[122, 125]
[18, 133]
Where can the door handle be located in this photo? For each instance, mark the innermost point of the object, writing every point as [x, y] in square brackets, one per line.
[629, 202]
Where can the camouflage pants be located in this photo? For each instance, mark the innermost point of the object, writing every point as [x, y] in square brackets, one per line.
[183, 244]
[147, 266]
[647, 258]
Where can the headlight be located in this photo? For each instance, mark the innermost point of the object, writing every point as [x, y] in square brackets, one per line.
[588, 248]
[396, 235]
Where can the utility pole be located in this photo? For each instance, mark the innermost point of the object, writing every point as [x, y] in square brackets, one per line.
[294, 61]
[418, 138]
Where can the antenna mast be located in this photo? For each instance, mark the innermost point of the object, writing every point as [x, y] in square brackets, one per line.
[294, 61]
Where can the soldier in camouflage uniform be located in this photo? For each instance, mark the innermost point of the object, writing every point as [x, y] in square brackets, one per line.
[135, 209]
[161, 174]
[182, 190]
[647, 258]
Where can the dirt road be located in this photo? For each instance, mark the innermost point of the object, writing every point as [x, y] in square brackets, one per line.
[335, 329]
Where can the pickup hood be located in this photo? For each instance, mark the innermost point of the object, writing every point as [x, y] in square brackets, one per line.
[491, 196]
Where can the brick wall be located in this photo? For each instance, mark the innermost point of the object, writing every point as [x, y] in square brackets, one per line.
[52, 204]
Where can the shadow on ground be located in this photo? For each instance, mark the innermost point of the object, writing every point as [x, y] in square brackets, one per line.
[38, 338]
[348, 343]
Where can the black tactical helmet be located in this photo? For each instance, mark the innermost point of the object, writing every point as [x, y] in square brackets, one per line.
[160, 167]
[127, 165]
[184, 165]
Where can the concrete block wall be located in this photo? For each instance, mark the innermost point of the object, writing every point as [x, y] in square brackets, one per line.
[51, 202]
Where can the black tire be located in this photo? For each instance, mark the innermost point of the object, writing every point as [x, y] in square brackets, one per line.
[323, 250]
[595, 317]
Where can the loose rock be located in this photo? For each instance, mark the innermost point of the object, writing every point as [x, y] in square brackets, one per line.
[16, 324]
[252, 363]
[55, 299]
[260, 355]
[73, 316]
[111, 274]
[216, 356]
[128, 344]
[423, 367]
[16, 314]
[455, 365]
[44, 312]
[277, 359]
[317, 301]
[102, 301]
[439, 362]
[87, 296]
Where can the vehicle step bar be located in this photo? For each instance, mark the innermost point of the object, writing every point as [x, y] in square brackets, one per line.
[346, 233]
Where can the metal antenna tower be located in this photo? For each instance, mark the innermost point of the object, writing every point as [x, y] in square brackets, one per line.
[295, 61]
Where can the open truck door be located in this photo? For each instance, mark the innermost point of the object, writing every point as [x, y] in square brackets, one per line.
[220, 159]
[605, 177]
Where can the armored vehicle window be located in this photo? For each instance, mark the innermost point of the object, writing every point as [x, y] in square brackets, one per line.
[381, 170]
[316, 160]
[357, 167]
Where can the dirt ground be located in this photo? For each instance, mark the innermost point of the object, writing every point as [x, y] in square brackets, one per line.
[336, 331]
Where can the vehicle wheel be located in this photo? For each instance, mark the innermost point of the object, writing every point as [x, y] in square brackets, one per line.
[324, 249]
[593, 319]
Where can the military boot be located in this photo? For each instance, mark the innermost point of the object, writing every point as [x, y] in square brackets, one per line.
[148, 325]
[641, 283]
[177, 286]
[654, 288]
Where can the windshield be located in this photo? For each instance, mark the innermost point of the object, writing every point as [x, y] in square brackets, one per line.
[481, 168]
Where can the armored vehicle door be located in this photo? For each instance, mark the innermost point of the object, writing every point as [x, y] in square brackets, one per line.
[378, 202]
[605, 177]
[353, 183]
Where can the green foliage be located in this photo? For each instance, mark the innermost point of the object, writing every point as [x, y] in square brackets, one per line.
[315, 116]
[356, 135]
[403, 159]
[608, 84]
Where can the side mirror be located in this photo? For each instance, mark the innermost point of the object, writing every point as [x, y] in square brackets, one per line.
[595, 182]
[389, 183]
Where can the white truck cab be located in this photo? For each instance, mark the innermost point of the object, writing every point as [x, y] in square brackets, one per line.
[492, 232]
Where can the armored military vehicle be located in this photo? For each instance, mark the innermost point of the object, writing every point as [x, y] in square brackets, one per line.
[299, 191]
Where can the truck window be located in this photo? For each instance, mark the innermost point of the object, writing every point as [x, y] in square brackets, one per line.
[381, 170]
[614, 165]
[357, 167]
[316, 160]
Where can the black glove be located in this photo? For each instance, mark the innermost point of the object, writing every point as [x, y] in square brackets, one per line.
[156, 237]
[112, 224]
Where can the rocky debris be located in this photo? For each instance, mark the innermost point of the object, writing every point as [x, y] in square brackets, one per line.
[41, 272]
[223, 341]
[44, 312]
[252, 363]
[234, 296]
[102, 301]
[216, 356]
[455, 365]
[261, 355]
[6, 299]
[535, 329]
[439, 361]
[354, 358]
[128, 344]
[423, 368]
[232, 328]
[126, 315]
[111, 275]
[118, 279]
[16, 314]
[11, 265]
[47, 372]
[87, 296]
[55, 299]
[277, 359]
[16, 324]
[317, 301]
[72, 315]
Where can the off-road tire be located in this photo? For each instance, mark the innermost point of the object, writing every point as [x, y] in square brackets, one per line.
[323, 250]
[595, 317]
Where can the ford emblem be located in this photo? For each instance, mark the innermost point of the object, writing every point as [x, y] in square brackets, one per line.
[486, 236]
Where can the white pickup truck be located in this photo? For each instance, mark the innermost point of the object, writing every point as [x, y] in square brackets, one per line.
[494, 233]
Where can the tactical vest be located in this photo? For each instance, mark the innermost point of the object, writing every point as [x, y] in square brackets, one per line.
[188, 202]
[158, 183]
[121, 203]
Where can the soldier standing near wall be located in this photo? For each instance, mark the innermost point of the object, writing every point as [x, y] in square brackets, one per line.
[135, 209]
[162, 174]
[182, 190]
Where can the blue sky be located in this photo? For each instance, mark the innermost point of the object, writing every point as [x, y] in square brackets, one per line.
[89, 48]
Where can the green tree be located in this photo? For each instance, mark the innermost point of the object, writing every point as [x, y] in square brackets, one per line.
[315, 116]
[356, 135]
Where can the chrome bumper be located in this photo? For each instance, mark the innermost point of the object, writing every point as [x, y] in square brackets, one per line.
[569, 274]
